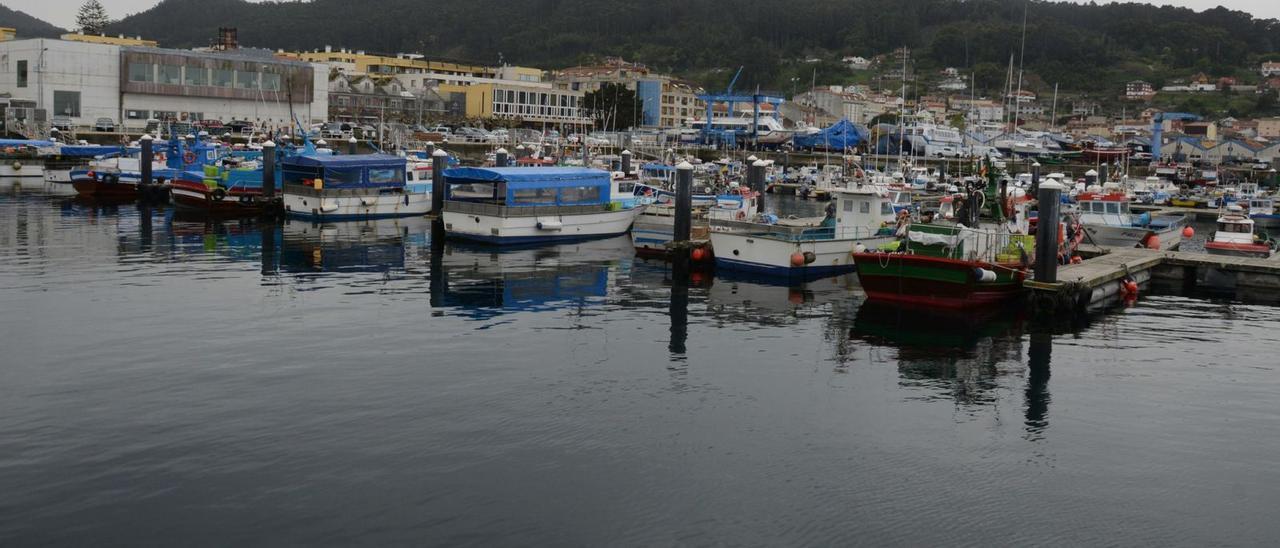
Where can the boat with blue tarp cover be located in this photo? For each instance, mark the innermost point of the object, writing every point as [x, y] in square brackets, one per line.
[517, 205]
[119, 176]
[356, 186]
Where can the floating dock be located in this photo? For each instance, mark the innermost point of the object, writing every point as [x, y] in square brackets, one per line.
[1102, 277]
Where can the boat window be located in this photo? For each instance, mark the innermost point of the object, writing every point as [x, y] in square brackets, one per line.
[409, 175]
[886, 208]
[533, 196]
[1113, 207]
[386, 175]
[864, 207]
[848, 206]
[580, 195]
[342, 176]
[1124, 208]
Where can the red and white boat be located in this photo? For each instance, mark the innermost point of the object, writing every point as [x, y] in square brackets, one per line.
[1234, 237]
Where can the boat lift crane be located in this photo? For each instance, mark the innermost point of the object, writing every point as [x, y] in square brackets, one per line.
[711, 135]
[1157, 129]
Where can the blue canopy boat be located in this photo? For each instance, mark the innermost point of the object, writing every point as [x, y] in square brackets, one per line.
[518, 205]
[357, 186]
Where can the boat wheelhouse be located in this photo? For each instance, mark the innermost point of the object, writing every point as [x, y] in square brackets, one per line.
[1263, 213]
[519, 205]
[357, 186]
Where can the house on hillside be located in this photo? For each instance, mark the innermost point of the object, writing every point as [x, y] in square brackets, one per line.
[1269, 69]
[1138, 90]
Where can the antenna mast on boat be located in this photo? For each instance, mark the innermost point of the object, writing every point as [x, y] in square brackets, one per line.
[1022, 57]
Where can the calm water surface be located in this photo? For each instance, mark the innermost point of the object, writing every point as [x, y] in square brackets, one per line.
[169, 381]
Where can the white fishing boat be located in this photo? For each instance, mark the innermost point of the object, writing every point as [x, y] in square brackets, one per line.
[1235, 236]
[859, 217]
[516, 205]
[1108, 222]
[358, 186]
[655, 228]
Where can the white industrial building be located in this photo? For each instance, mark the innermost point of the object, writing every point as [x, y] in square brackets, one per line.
[86, 81]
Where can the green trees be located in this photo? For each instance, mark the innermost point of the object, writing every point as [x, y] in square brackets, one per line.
[92, 17]
[613, 107]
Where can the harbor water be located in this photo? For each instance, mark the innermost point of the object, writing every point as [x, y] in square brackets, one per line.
[192, 382]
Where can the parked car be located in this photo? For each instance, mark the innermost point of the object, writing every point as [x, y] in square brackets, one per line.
[239, 126]
[947, 152]
[336, 130]
[210, 125]
[1141, 156]
[61, 123]
[1259, 165]
[104, 124]
[473, 135]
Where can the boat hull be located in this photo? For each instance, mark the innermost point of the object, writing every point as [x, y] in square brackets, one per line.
[97, 187]
[1122, 236]
[1266, 220]
[1228, 249]
[934, 281]
[21, 169]
[236, 201]
[759, 254]
[353, 204]
[522, 230]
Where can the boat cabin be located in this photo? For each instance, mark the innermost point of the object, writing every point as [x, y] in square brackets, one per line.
[1234, 227]
[364, 171]
[516, 187]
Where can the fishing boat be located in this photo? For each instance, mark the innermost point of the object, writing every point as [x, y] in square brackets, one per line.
[1107, 221]
[858, 217]
[1235, 237]
[947, 266]
[655, 228]
[120, 176]
[1263, 213]
[60, 160]
[230, 187]
[523, 205]
[20, 158]
[357, 186]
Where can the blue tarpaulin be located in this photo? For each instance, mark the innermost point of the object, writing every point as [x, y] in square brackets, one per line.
[88, 150]
[345, 161]
[528, 177]
[840, 136]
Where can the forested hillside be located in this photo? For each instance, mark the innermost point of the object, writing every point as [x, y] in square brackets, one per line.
[26, 25]
[1077, 46]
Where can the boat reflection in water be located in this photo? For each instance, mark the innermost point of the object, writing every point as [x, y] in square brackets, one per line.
[483, 281]
[965, 357]
[348, 247]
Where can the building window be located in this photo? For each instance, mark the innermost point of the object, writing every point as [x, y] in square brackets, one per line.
[271, 82]
[141, 72]
[170, 74]
[66, 103]
[165, 115]
[222, 78]
[246, 79]
[196, 76]
[136, 114]
[22, 74]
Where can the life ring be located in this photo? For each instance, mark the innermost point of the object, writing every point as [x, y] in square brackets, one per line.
[218, 194]
[17, 166]
[189, 157]
[742, 215]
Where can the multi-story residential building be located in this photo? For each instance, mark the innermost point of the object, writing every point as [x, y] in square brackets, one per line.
[1138, 90]
[1270, 68]
[978, 110]
[1269, 128]
[361, 98]
[1084, 108]
[667, 102]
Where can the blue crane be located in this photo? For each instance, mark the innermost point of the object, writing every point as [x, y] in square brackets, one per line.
[710, 99]
[1157, 128]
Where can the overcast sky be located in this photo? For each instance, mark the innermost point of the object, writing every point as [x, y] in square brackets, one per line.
[63, 12]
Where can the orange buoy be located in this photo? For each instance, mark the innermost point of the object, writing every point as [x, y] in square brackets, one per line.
[698, 254]
[1129, 287]
[1075, 259]
[797, 259]
[1188, 232]
[1151, 242]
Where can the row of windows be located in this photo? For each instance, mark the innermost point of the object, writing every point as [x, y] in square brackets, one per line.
[201, 76]
[503, 108]
[534, 98]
